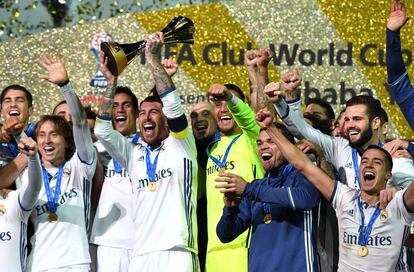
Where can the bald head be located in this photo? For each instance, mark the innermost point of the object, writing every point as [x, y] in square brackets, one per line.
[202, 121]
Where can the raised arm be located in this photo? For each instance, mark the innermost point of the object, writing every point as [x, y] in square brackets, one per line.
[398, 80]
[296, 123]
[29, 191]
[163, 82]
[297, 158]
[116, 144]
[57, 74]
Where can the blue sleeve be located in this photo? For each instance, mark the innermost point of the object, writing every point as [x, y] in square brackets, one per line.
[410, 149]
[398, 80]
[302, 196]
[234, 221]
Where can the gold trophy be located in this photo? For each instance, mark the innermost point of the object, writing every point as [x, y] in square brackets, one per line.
[179, 30]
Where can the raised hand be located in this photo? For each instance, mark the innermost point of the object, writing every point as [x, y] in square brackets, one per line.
[273, 92]
[218, 92]
[153, 46]
[290, 81]
[11, 126]
[170, 66]
[264, 55]
[264, 118]
[110, 78]
[398, 16]
[27, 146]
[250, 59]
[56, 71]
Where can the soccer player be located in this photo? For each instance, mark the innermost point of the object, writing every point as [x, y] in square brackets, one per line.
[113, 226]
[15, 209]
[232, 150]
[16, 108]
[60, 216]
[282, 210]
[204, 127]
[362, 123]
[370, 239]
[163, 172]
[398, 80]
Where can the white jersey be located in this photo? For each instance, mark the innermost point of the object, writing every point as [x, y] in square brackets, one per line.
[113, 225]
[338, 151]
[13, 244]
[164, 218]
[387, 236]
[64, 242]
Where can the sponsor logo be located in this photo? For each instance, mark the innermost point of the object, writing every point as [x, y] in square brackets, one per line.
[44, 208]
[159, 176]
[5, 236]
[377, 240]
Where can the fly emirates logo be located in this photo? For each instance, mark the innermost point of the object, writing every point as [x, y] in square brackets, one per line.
[159, 176]
[377, 240]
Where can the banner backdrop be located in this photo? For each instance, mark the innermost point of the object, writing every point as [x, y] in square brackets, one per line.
[337, 46]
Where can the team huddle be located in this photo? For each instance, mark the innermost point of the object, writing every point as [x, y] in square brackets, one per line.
[253, 184]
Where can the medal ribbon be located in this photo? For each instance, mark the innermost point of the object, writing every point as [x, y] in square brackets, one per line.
[365, 232]
[222, 163]
[151, 167]
[266, 206]
[52, 201]
[117, 165]
[356, 164]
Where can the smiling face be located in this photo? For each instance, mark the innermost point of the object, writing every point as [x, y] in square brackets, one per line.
[152, 123]
[124, 115]
[269, 153]
[374, 171]
[15, 103]
[358, 128]
[202, 121]
[52, 145]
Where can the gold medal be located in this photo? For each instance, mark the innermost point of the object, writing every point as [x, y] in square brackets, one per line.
[363, 251]
[53, 217]
[267, 219]
[222, 171]
[152, 186]
[384, 215]
[2, 209]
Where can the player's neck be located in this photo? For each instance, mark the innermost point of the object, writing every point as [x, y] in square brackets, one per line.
[371, 199]
[55, 164]
[236, 130]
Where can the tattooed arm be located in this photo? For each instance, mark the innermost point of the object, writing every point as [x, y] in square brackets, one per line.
[163, 82]
[105, 110]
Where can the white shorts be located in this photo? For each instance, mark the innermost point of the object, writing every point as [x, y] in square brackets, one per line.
[174, 260]
[113, 259]
[71, 268]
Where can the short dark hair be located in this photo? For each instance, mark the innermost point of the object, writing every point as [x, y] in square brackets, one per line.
[60, 103]
[373, 105]
[328, 108]
[235, 88]
[383, 116]
[29, 96]
[62, 128]
[388, 158]
[284, 131]
[152, 98]
[128, 92]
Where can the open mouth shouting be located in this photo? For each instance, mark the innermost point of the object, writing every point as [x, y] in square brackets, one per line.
[48, 149]
[14, 112]
[120, 119]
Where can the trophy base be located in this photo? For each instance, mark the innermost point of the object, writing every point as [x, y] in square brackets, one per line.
[117, 60]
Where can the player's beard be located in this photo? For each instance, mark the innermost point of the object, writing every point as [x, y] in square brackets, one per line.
[365, 137]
